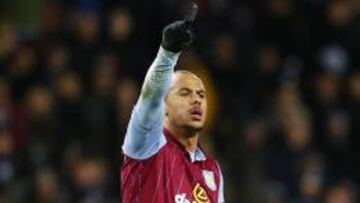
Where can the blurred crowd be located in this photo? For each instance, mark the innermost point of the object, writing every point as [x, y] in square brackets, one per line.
[283, 79]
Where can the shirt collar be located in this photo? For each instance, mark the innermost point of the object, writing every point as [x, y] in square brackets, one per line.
[196, 155]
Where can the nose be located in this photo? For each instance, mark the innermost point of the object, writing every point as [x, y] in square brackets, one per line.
[196, 100]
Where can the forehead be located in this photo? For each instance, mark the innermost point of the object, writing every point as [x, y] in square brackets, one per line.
[187, 80]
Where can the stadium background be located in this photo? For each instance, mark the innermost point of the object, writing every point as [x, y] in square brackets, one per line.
[283, 79]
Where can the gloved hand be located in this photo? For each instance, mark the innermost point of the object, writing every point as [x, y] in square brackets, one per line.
[179, 34]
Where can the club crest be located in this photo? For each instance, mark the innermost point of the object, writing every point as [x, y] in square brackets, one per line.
[209, 178]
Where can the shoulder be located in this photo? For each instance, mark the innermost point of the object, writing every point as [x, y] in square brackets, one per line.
[210, 158]
[212, 162]
[168, 149]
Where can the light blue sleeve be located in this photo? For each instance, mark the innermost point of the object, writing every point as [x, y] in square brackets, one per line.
[144, 136]
[221, 198]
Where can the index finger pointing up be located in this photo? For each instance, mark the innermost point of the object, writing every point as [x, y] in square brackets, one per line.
[191, 13]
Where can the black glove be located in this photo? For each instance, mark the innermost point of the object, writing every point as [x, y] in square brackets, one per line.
[179, 34]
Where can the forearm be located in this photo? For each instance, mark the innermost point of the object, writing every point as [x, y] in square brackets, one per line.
[144, 134]
[155, 86]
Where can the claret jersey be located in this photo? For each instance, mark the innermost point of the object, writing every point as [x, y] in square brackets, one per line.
[171, 175]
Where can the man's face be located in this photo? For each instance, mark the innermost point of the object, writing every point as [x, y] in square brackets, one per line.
[186, 102]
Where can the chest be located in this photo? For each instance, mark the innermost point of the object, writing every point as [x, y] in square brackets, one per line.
[189, 182]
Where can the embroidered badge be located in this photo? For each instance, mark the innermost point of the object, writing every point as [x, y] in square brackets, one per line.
[209, 178]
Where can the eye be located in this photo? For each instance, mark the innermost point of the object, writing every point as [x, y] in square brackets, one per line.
[202, 94]
[184, 92]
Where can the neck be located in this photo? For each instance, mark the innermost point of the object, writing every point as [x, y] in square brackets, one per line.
[187, 138]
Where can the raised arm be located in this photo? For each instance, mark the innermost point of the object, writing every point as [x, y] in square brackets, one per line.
[144, 134]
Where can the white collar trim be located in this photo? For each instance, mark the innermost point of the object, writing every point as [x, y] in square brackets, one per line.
[197, 155]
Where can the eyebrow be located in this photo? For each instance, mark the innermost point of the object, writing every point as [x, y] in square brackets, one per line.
[184, 89]
[202, 91]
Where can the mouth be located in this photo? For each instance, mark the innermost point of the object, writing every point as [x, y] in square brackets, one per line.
[196, 113]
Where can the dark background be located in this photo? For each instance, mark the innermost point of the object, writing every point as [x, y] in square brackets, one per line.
[282, 76]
